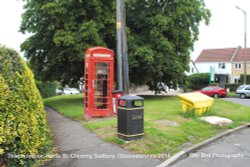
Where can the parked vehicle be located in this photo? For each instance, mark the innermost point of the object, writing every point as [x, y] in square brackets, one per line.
[243, 91]
[59, 92]
[69, 91]
[161, 87]
[213, 91]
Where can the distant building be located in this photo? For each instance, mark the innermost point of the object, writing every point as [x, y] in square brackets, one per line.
[192, 68]
[227, 63]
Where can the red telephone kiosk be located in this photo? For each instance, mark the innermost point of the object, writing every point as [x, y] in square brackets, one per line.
[98, 82]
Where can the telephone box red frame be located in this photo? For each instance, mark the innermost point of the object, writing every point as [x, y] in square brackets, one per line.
[98, 82]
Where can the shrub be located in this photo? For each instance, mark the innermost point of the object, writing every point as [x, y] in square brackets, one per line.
[232, 87]
[47, 89]
[198, 81]
[22, 115]
[242, 79]
[213, 84]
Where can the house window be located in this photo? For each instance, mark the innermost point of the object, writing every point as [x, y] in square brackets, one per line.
[222, 66]
[237, 66]
[236, 80]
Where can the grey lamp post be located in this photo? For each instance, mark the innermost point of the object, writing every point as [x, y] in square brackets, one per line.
[119, 44]
[245, 43]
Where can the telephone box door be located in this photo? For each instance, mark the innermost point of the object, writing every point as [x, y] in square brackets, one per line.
[102, 87]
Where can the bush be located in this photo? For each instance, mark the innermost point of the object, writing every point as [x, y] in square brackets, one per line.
[23, 126]
[198, 81]
[213, 84]
[47, 89]
[242, 79]
[232, 87]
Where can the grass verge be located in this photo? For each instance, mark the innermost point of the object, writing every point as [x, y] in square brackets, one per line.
[69, 105]
[166, 129]
[231, 94]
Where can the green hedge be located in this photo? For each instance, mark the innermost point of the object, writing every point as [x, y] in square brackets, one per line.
[23, 126]
[198, 81]
[213, 84]
[232, 87]
[242, 79]
[47, 89]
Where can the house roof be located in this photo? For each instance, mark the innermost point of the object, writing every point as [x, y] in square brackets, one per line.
[223, 55]
[241, 55]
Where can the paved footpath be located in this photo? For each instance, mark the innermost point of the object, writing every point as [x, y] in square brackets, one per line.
[80, 148]
[229, 151]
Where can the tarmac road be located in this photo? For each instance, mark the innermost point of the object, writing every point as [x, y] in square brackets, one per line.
[245, 102]
[229, 151]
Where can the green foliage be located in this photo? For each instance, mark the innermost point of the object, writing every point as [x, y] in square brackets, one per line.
[213, 84]
[232, 87]
[47, 89]
[23, 128]
[160, 37]
[242, 79]
[198, 81]
[61, 32]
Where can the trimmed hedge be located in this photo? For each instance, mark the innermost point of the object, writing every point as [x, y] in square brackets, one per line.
[47, 89]
[198, 81]
[242, 78]
[232, 87]
[23, 126]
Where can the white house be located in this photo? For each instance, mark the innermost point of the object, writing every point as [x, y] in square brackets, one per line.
[227, 64]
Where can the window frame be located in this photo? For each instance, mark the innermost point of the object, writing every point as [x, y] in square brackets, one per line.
[237, 66]
[237, 80]
[222, 66]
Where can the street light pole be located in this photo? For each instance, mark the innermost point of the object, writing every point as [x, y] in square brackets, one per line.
[245, 43]
[122, 50]
[119, 44]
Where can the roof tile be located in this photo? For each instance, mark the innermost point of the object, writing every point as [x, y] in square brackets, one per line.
[241, 55]
[216, 55]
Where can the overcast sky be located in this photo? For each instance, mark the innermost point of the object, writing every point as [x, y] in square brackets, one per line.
[226, 28]
[10, 19]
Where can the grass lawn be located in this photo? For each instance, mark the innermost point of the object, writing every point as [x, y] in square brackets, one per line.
[69, 105]
[231, 94]
[160, 135]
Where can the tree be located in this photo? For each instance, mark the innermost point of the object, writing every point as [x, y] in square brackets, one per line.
[161, 34]
[62, 31]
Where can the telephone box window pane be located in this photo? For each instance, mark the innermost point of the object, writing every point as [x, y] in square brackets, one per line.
[102, 65]
[101, 85]
[86, 68]
[86, 101]
[86, 86]
[102, 77]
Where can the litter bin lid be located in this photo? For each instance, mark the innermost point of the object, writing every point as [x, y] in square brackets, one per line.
[117, 91]
[131, 97]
